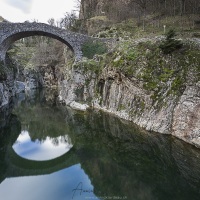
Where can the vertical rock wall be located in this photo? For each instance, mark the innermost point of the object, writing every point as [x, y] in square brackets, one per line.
[128, 100]
[186, 117]
[7, 84]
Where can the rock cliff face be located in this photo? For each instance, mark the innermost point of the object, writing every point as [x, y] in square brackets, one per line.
[186, 123]
[111, 9]
[12, 83]
[7, 83]
[42, 76]
[121, 97]
[97, 15]
[157, 99]
[91, 8]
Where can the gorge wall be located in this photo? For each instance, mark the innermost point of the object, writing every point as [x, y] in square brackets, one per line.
[138, 83]
[7, 83]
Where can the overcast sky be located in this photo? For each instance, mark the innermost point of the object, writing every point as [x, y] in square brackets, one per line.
[41, 10]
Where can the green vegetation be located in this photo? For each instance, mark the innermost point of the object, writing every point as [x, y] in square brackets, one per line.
[168, 75]
[170, 44]
[162, 75]
[91, 48]
[121, 107]
[21, 54]
[89, 65]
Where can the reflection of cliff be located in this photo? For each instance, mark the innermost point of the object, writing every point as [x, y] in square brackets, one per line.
[40, 120]
[123, 161]
[8, 133]
[187, 159]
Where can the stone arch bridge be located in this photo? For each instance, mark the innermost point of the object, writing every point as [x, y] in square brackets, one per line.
[11, 32]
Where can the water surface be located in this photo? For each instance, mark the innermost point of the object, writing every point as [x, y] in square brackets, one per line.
[50, 152]
[47, 149]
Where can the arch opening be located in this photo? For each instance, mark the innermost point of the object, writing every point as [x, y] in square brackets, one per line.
[39, 58]
[24, 34]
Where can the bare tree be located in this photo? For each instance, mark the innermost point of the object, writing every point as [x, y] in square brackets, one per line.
[51, 21]
[69, 20]
[78, 4]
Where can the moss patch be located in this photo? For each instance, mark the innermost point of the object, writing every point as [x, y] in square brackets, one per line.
[161, 75]
[90, 48]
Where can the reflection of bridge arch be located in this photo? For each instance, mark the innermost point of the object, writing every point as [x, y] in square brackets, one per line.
[10, 32]
[18, 166]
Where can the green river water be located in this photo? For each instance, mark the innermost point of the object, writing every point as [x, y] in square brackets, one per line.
[51, 152]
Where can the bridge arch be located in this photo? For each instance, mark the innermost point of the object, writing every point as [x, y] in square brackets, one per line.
[17, 36]
[11, 32]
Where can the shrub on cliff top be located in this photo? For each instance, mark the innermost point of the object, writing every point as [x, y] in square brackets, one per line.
[170, 44]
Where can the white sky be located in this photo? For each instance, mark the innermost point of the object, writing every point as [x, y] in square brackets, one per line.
[40, 10]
